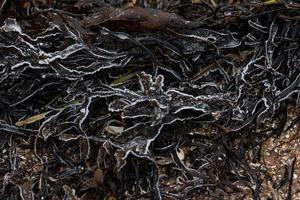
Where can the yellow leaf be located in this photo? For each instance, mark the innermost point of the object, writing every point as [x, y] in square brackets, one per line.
[41, 116]
[214, 3]
[110, 198]
[32, 119]
[123, 79]
[270, 2]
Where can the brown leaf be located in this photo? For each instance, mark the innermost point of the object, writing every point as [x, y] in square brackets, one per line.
[95, 181]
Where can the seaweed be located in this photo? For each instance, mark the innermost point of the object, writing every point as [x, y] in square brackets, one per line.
[145, 99]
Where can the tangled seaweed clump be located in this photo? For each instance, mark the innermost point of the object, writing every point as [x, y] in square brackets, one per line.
[146, 99]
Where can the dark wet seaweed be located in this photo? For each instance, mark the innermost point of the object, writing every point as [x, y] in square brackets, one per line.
[155, 101]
